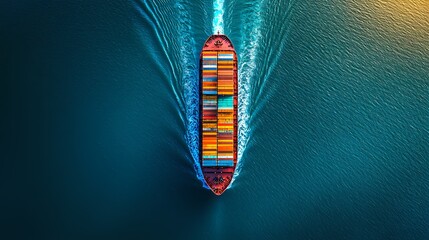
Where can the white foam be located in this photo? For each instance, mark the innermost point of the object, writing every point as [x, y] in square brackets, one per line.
[188, 64]
[251, 37]
[218, 16]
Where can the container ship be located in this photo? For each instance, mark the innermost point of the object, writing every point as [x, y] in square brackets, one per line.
[218, 112]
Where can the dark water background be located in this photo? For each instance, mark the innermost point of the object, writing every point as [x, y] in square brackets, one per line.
[97, 120]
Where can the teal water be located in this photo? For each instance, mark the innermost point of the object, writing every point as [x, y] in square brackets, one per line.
[99, 105]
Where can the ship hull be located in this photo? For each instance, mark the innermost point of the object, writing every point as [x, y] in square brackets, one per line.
[218, 112]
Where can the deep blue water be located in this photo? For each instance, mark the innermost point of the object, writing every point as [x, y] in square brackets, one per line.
[98, 120]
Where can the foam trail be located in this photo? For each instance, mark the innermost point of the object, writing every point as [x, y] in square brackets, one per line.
[218, 16]
[248, 56]
[188, 59]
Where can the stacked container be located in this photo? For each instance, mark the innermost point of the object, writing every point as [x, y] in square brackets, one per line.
[209, 109]
[218, 109]
[225, 118]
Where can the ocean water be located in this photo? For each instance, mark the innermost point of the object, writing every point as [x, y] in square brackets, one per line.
[99, 120]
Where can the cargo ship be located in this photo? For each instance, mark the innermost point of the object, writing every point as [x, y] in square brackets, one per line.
[218, 112]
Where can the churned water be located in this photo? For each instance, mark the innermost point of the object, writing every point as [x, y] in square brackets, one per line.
[99, 120]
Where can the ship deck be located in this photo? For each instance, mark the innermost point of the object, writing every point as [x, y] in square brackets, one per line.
[218, 112]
